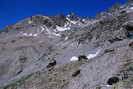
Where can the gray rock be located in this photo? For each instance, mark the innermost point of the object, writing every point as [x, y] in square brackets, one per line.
[34, 54]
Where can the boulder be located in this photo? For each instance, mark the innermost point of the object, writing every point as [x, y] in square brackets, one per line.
[76, 73]
[112, 80]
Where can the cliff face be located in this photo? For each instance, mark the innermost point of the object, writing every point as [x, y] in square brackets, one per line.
[69, 52]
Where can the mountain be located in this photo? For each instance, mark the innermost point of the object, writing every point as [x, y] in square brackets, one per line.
[69, 52]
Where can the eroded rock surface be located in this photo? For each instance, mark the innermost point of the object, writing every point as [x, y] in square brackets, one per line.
[69, 52]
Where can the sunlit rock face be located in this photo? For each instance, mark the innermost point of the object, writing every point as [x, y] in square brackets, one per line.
[69, 52]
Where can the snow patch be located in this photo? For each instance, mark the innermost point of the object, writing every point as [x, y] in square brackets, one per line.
[56, 34]
[29, 22]
[29, 35]
[49, 31]
[35, 35]
[39, 31]
[109, 86]
[73, 22]
[128, 10]
[66, 24]
[25, 34]
[62, 28]
[68, 19]
[90, 56]
[43, 28]
[68, 15]
[74, 58]
[131, 8]
[83, 20]
[66, 38]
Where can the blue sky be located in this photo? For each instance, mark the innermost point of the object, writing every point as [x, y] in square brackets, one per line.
[12, 11]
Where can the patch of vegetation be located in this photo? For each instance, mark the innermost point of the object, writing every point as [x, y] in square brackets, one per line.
[3, 30]
[115, 9]
[6, 29]
[17, 83]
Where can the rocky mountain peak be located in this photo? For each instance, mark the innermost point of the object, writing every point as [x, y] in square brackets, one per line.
[130, 1]
[72, 16]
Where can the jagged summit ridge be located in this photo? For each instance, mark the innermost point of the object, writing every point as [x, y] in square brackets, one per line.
[51, 24]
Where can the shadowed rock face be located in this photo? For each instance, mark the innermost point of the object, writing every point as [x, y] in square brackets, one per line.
[68, 52]
[59, 19]
[129, 26]
[112, 80]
